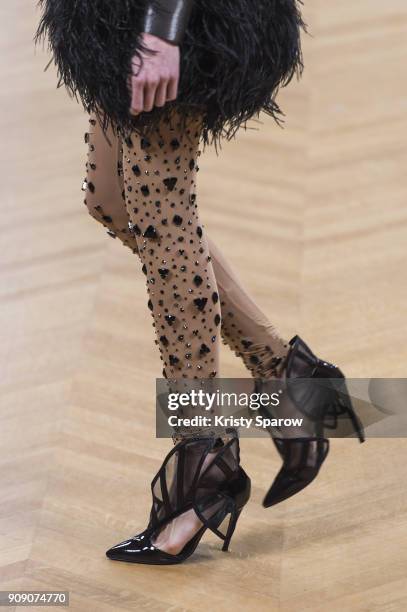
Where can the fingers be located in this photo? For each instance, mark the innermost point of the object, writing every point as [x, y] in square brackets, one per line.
[161, 93]
[147, 93]
[150, 88]
[172, 89]
[137, 97]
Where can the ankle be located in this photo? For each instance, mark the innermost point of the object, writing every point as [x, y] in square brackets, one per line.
[265, 360]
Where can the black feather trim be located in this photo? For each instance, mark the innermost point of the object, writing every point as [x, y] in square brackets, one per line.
[235, 56]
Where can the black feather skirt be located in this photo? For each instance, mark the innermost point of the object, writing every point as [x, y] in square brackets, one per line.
[235, 56]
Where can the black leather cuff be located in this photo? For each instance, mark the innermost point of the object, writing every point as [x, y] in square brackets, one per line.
[168, 19]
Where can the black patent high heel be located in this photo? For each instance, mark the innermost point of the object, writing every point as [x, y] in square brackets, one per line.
[302, 460]
[234, 517]
[317, 389]
[216, 493]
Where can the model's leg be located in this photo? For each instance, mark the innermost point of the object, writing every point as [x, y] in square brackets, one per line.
[105, 200]
[103, 185]
[159, 184]
[244, 326]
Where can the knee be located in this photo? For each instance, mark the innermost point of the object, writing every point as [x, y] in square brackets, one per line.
[113, 229]
[88, 190]
[94, 209]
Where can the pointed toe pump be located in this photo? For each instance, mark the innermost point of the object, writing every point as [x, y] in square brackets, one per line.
[199, 474]
[317, 391]
[302, 459]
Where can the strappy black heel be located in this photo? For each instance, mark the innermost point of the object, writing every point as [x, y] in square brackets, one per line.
[217, 493]
[317, 390]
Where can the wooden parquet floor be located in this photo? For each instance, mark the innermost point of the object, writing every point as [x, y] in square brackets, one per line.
[314, 218]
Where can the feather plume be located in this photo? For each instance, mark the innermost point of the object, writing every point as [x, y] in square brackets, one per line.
[235, 56]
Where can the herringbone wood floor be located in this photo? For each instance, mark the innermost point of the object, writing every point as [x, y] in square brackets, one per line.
[314, 217]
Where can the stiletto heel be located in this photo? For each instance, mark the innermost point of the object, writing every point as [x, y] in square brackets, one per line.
[182, 484]
[231, 528]
[317, 390]
[345, 403]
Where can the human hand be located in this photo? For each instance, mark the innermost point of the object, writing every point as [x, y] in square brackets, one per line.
[157, 81]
